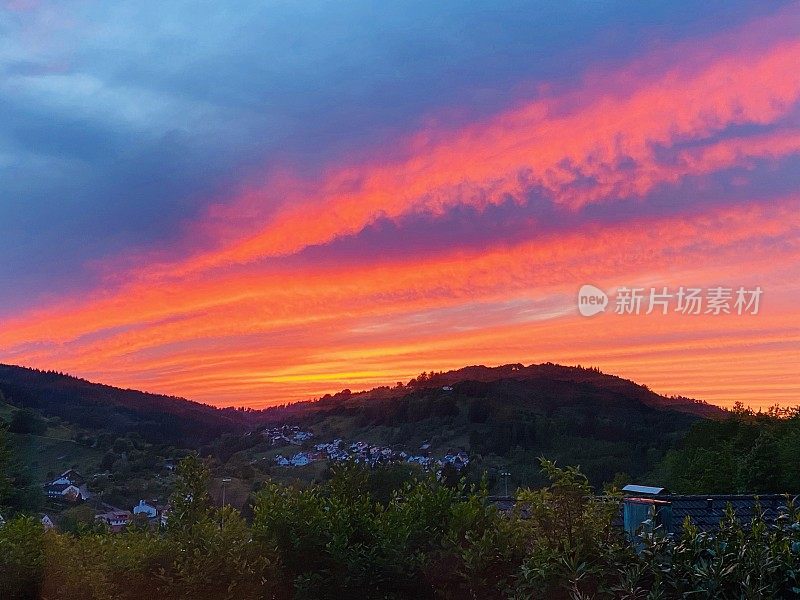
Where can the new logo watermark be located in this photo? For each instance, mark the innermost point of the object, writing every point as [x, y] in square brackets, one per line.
[591, 300]
[683, 300]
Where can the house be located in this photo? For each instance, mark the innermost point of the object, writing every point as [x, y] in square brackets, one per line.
[64, 491]
[69, 486]
[144, 508]
[47, 523]
[2, 521]
[116, 520]
[300, 460]
[70, 476]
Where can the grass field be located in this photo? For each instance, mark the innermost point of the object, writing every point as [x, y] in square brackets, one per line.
[46, 455]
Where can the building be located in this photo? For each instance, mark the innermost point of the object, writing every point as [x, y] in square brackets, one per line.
[116, 520]
[47, 523]
[649, 507]
[146, 509]
[69, 486]
[64, 491]
[300, 460]
[70, 476]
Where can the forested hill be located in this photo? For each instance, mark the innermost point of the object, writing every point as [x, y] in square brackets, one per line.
[608, 385]
[554, 372]
[511, 415]
[562, 402]
[157, 418]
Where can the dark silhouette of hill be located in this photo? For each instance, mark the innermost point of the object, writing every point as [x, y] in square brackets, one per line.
[511, 415]
[607, 386]
[157, 418]
[591, 376]
[490, 403]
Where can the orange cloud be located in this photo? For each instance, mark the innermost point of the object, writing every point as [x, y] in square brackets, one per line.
[536, 146]
[256, 336]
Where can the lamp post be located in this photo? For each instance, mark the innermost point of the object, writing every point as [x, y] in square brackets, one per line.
[225, 482]
[506, 475]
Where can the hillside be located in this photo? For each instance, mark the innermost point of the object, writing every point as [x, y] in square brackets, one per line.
[94, 406]
[508, 416]
[504, 417]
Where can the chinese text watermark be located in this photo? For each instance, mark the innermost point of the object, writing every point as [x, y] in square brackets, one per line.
[717, 300]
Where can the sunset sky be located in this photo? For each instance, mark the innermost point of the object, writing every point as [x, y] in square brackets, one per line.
[262, 203]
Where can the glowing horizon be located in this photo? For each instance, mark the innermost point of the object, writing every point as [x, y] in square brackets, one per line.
[459, 236]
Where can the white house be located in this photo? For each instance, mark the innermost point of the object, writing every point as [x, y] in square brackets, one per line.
[116, 520]
[144, 508]
[64, 491]
[70, 476]
[47, 523]
[300, 460]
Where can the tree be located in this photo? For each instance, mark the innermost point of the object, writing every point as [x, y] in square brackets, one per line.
[190, 500]
[5, 462]
[27, 420]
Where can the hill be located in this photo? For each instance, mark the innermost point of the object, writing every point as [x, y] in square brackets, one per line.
[509, 416]
[94, 406]
[505, 417]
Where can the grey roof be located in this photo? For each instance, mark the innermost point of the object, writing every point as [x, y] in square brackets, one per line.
[706, 512]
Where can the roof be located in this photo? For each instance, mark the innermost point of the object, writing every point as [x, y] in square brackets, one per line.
[644, 489]
[706, 511]
[58, 487]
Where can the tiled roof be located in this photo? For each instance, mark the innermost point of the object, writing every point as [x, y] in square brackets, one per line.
[707, 511]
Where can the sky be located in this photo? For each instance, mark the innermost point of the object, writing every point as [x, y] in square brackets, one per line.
[256, 204]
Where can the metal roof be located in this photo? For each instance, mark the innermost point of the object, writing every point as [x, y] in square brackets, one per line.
[643, 489]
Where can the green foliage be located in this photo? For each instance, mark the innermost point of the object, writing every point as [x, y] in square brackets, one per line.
[21, 558]
[741, 560]
[745, 453]
[424, 540]
[190, 501]
[27, 421]
[5, 465]
[217, 558]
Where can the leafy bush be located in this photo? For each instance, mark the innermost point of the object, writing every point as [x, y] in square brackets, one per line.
[351, 538]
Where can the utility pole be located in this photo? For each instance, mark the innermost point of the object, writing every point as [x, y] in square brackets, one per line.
[225, 482]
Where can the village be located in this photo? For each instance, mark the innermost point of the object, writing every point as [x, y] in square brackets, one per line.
[359, 452]
[71, 488]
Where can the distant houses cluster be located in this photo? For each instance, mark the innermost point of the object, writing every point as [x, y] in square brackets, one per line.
[71, 487]
[151, 513]
[370, 454]
[286, 434]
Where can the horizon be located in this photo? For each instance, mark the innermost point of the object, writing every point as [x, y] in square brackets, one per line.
[263, 207]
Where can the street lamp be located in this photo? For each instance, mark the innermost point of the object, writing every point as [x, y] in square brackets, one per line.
[506, 475]
[225, 482]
